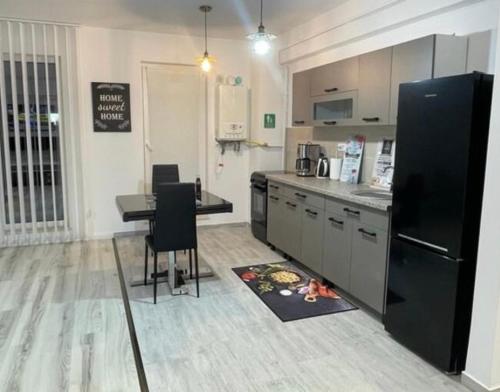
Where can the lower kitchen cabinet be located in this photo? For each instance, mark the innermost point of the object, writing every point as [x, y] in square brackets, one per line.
[312, 237]
[284, 224]
[344, 242]
[368, 265]
[336, 265]
[275, 220]
[292, 228]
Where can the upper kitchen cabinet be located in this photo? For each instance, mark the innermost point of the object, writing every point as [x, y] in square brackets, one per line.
[335, 109]
[374, 87]
[425, 58]
[410, 61]
[301, 108]
[336, 77]
[479, 52]
[450, 55]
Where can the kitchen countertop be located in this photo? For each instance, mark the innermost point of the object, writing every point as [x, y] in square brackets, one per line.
[336, 189]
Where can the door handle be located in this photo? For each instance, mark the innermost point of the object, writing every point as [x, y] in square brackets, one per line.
[299, 122]
[329, 122]
[369, 233]
[353, 212]
[311, 212]
[274, 197]
[338, 222]
[291, 204]
[300, 195]
[371, 119]
[274, 186]
[331, 90]
[148, 147]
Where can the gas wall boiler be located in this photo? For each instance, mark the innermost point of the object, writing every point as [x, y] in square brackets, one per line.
[232, 113]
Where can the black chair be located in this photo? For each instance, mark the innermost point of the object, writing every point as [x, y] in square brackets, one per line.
[164, 174]
[175, 227]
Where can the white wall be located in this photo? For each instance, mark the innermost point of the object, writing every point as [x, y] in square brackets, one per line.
[268, 96]
[483, 360]
[360, 26]
[114, 163]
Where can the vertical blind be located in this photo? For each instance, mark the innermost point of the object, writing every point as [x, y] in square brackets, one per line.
[39, 162]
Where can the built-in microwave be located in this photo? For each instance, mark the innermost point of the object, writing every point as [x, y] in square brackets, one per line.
[335, 109]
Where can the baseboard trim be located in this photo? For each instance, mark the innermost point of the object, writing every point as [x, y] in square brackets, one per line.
[475, 385]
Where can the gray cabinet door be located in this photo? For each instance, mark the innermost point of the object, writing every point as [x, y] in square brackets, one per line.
[410, 61]
[336, 261]
[275, 220]
[368, 265]
[291, 232]
[301, 104]
[312, 237]
[450, 55]
[479, 52]
[335, 77]
[374, 87]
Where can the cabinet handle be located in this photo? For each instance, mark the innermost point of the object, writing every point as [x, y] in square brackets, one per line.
[371, 119]
[349, 211]
[291, 204]
[274, 197]
[371, 234]
[311, 212]
[338, 222]
[331, 90]
[299, 122]
[274, 186]
[300, 195]
[329, 122]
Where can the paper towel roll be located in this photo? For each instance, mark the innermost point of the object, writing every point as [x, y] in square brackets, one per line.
[335, 168]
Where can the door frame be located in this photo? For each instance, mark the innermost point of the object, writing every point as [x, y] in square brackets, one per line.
[202, 127]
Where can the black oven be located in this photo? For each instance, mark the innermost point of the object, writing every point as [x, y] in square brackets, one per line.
[258, 186]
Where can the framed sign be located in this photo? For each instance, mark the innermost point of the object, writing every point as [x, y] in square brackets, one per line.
[111, 107]
[269, 120]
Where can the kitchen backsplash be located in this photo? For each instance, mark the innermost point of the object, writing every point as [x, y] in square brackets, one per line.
[330, 137]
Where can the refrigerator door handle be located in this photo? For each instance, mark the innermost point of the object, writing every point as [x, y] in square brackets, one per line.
[428, 244]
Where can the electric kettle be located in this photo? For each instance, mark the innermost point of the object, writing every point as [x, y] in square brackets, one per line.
[323, 168]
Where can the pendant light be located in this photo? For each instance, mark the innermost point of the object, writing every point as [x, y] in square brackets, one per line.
[206, 60]
[261, 40]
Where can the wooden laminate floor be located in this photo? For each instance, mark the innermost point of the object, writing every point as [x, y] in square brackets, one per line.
[62, 321]
[228, 340]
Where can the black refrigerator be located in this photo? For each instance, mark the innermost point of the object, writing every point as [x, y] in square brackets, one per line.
[441, 146]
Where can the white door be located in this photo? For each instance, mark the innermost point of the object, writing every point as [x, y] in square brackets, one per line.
[173, 117]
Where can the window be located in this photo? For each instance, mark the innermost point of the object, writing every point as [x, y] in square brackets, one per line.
[38, 164]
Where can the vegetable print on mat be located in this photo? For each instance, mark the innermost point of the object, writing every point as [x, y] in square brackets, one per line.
[291, 293]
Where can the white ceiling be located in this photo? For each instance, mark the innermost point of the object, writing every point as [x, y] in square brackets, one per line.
[228, 19]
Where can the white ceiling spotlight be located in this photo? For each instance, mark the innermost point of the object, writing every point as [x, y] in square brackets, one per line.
[206, 60]
[261, 40]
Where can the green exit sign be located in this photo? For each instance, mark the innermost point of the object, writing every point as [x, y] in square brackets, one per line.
[269, 120]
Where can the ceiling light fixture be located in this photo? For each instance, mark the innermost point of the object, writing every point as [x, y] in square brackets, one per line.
[261, 40]
[206, 60]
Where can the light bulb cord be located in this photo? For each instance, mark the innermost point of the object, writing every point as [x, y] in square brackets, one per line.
[206, 51]
[261, 12]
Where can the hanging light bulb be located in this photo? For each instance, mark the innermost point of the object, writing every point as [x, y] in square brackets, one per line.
[206, 65]
[206, 60]
[261, 40]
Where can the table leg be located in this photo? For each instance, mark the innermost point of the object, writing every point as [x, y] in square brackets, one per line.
[172, 276]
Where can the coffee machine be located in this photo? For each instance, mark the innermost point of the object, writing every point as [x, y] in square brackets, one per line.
[308, 155]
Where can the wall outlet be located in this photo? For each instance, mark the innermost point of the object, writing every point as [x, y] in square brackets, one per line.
[341, 147]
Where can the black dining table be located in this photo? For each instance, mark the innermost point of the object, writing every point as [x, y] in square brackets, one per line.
[142, 207]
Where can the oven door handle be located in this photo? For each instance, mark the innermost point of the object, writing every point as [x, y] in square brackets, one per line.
[260, 188]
